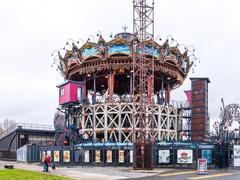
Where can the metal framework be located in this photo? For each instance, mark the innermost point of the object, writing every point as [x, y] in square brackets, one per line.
[143, 82]
[228, 114]
[112, 122]
[143, 68]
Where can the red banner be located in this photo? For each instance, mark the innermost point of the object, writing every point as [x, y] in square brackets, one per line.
[189, 96]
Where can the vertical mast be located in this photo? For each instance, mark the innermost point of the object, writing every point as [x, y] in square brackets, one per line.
[143, 77]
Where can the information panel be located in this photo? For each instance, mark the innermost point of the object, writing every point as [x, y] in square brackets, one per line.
[97, 156]
[121, 156]
[66, 156]
[56, 156]
[236, 154]
[109, 156]
[184, 156]
[202, 166]
[86, 156]
[163, 156]
[131, 156]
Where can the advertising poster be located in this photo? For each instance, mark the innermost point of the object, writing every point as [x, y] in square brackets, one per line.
[66, 156]
[121, 156]
[109, 156]
[207, 154]
[56, 156]
[236, 154]
[163, 156]
[86, 156]
[49, 153]
[184, 156]
[131, 156]
[97, 156]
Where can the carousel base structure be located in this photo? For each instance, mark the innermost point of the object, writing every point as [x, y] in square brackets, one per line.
[113, 122]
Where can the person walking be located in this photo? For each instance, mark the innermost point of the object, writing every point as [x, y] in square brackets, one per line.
[44, 161]
[48, 161]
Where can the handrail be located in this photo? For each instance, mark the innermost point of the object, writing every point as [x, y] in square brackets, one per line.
[26, 126]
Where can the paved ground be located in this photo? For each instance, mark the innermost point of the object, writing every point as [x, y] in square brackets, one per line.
[89, 173]
[182, 174]
[107, 173]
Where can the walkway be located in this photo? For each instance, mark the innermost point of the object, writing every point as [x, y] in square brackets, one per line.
[89, 173]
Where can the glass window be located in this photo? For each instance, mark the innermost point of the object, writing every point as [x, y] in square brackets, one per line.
[61, 91]
[79, 94]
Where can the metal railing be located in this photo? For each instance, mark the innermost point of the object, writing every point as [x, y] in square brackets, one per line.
[26, 126]
[179, 104]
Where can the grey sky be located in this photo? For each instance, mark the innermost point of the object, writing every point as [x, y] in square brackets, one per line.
[30, 30]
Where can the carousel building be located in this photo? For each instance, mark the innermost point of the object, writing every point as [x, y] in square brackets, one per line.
[97, 96]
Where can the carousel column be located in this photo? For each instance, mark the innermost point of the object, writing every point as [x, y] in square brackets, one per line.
[111, 80]
[168, 91]
[150, 90]
[94, 88]
[131, 86]
[162, 92]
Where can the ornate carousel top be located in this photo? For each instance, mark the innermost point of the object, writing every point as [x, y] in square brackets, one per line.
[172, 60]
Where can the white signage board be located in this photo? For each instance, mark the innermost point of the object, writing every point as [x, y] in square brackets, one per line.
[185, 156]
[131, 156]
[163, 156]
[202, 166]
[86, 156]
[236, 154]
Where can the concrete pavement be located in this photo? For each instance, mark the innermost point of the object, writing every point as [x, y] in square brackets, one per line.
[89, 172]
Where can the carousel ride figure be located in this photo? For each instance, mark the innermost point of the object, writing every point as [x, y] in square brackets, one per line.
[228, 115]
[226, 134]
[96, 99]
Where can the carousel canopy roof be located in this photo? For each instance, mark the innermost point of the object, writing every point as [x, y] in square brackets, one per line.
[169, 54]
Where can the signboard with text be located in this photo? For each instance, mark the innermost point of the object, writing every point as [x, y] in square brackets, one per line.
[202, 166]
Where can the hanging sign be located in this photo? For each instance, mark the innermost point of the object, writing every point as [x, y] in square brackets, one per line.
[202, 166]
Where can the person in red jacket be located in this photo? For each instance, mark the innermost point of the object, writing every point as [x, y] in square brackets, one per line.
[48, 161]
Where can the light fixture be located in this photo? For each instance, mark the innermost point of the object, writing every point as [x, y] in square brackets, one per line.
[88, 75]
[168, 78]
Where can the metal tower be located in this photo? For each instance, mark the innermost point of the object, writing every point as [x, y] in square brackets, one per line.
[143, 83]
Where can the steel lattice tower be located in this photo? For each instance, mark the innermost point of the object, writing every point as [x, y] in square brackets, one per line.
[143, 82]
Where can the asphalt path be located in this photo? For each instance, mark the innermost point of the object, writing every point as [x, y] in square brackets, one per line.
[181, 174]
[109, 173]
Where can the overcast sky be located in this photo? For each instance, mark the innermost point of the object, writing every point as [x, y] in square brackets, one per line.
[31, 30]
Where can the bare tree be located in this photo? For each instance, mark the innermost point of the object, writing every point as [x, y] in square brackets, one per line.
[1, 128]
[7, 123]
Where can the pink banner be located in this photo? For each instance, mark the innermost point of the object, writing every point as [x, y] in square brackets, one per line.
[189, 96]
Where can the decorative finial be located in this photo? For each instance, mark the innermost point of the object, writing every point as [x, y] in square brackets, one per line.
[125, 27]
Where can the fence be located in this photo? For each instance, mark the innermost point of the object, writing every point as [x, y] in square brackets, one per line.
[28, 153]
[91, 154]
[183, 154]
[166, 154]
